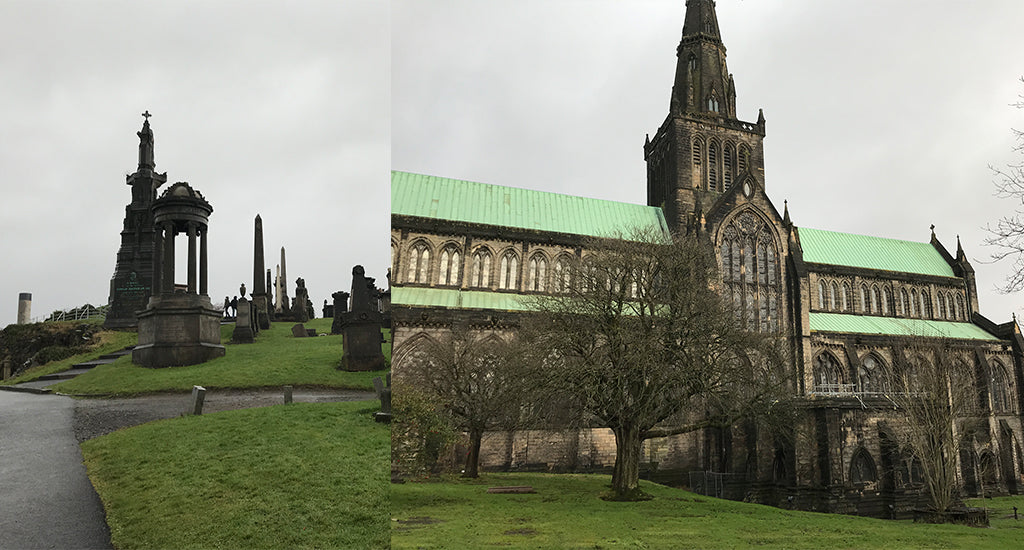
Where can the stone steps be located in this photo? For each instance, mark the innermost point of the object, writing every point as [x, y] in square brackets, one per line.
[39, 385]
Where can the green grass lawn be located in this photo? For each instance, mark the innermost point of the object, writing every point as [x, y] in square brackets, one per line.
[289, 476]
[108, 342]
[277, 358]
[567, 513]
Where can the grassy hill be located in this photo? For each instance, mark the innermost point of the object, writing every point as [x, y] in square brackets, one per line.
[567, 513]
[277, 358]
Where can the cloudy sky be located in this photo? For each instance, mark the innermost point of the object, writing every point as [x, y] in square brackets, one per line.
[273, 108]
[882, 117]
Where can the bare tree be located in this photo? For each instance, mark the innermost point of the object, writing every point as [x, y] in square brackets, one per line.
[637, 334]
[1008, 233]
[478, 378]
[934, 395]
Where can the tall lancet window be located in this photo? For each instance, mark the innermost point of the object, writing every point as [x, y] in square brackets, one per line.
[448, 267]
[480, 277]
[537, 274]
[561, 275]
[728, 156]
[713, 166]
[750, 272]
[419, 261]
[509, 271]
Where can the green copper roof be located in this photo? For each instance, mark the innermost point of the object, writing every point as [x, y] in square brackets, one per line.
[467, 201]
[862, 324]
[456, 299]
[830, 247]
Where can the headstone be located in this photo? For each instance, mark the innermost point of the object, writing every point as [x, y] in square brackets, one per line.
[361, 327]
[179, 326]
[299, 331]
[384, 394]
[300, 308]
[131, 285]
[259, 290]
[287, 395]
[243, 333]
[24, 308]
[195, 404]
[340, 307]
[311, 332]
[328, 310]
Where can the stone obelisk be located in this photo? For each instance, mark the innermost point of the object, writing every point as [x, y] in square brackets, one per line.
[282, 294]
[259, 289]
[270, 298]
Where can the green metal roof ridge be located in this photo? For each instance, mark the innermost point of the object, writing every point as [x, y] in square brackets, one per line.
[848, 249]
[454, 298]
[891, 326]
[473, 202]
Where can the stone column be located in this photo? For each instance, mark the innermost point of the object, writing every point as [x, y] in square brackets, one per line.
[158, 253]
[204, 287]
[259, 290]
[24, 308]
[167, 284]
[191, 257]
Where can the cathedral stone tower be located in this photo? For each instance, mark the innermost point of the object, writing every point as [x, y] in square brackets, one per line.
[701, 149]
[132, 283]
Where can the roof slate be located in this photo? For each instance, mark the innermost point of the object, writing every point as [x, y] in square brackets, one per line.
[864, 324]
[846, 249]
[472, 202]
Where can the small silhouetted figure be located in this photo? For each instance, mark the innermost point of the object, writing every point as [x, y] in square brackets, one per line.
[227, 306]
[234, 306]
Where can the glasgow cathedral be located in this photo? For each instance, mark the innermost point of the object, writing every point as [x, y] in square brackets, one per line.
[849, 305]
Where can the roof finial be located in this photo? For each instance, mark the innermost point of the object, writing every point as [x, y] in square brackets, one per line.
[785, 215]
[146, 115]
[933, 231]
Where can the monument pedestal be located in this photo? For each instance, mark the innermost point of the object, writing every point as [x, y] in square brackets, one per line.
[178, 330]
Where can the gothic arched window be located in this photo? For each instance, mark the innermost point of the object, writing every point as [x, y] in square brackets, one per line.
[509, 271]
[419, 263]
[874, 299]
[1000, 389]
[448, 267]
[926, 305]
[846, 297]
[481, 274]
[728, 156]
[913, 303]
[961, 313]
[744, 159]
[833, 289]
[561, 275]
[865, 302]
[868, 380]
[886, 301]
[692, 62]
[903, 303]
[537, 274]
[827, 373]
[862, 468]
[713, 166]
[750, 271]
[821, 295]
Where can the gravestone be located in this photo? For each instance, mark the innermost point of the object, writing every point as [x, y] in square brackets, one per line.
[328, 310]
[131, 285]
[299, 331]
[361, 327]
[340, 307]
[243, 333]
[384, 394]
[179, 325]
[271, 312]
[300, 305]
[259, 291]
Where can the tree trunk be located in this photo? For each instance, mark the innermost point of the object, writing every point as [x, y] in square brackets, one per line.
[473, 460]
[626, 475]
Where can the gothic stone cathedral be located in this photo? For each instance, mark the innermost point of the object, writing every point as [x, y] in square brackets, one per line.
[851, 304]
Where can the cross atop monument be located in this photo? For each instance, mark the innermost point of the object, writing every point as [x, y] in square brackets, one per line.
[146, 115]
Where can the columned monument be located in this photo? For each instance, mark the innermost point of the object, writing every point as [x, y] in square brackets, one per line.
[179, 326]
[132, 282]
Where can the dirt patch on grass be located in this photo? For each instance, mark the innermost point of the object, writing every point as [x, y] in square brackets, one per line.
[409, 524]
[521, 531]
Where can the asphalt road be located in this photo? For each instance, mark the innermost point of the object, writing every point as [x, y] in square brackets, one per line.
[46, 499]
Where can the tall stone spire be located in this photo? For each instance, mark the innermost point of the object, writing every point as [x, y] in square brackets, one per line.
[131, 286]
[259, 289]
[702, 83]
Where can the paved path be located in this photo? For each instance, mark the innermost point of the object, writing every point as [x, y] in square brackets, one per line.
[46, 498]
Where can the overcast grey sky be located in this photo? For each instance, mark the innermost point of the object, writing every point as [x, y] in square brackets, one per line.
[266, 107]
[882, 116]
